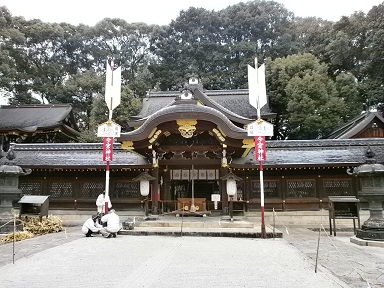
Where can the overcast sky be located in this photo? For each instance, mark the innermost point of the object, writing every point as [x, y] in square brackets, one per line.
[163, 11]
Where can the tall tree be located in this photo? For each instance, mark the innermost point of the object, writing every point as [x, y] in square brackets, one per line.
[130, 105]
[306, 100]
[13, 78]
[127, 44]
[255, 28]
[82, 88]
[217, 46]
[311, 35]
[189, 46]
[372, 75]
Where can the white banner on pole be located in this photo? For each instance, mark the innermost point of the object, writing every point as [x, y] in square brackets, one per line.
[256, 86]
[113, 86]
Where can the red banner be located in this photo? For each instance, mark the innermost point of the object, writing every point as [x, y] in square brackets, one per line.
[260, 148]
[108, 149]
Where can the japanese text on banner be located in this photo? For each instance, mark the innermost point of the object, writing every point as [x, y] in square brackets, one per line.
[260, 148]
[107, 149]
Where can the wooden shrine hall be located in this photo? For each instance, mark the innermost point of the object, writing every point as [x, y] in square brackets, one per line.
[188, 141]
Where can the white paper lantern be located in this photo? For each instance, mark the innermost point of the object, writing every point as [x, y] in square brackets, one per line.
[144, 187]
[231, 187]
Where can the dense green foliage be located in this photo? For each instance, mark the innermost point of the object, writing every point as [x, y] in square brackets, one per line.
[319, 73]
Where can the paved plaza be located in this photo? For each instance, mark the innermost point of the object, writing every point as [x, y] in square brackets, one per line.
[68, 259]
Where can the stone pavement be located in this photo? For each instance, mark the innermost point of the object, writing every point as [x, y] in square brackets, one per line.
[358, 266]
[68, 259]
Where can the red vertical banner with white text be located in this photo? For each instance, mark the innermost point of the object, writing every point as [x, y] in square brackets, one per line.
[260, 148]
[108, 149]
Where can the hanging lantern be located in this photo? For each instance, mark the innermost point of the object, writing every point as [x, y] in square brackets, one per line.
[144, 187]
[144, 179]
[231, 187]
[231, 183]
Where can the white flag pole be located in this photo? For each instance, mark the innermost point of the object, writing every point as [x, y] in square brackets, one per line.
[258, 98]
[112, 99]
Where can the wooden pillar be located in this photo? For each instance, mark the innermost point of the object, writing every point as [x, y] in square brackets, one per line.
[166, 187]
[247, 192]
[223, 191]
[284, 191]
[319, 190]
[155, 191]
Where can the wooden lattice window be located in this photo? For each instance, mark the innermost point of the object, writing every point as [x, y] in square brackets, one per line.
[270, 189]
[126, 189]
[61, 189]
[31, 188]
[91, 189]
[337, 187]
[301, 188]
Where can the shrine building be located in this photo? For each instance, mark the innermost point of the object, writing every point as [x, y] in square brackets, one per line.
[188, 141]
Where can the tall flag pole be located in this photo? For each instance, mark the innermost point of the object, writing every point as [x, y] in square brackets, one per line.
[109, 129]
[260, 128]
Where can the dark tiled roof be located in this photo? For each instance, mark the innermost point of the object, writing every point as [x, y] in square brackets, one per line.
[70, 155]
[184, 112]
[355, 126]
[27, 119]
[317, 153]
[289, 153]
[236, 101]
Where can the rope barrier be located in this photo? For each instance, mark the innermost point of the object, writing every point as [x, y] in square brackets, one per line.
[10, 221]
[6, 223]
[333, 244]
[341, 254]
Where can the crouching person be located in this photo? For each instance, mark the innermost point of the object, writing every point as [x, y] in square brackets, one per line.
[91, 226]
[113, 224]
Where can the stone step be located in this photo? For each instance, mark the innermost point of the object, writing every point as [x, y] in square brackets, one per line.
[196, 223]
[202, 232]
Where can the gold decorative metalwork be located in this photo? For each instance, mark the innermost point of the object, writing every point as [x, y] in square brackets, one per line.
[187, 127]
[219, 134]
[127, 145]
[152, 132]
[248, 144]
[153, 139]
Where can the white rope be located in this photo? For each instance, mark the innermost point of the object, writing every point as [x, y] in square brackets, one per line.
[286, 228]
[328, 236]
[345, 258]
[6, 223]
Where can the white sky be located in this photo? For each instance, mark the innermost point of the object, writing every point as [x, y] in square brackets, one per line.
[162, 12]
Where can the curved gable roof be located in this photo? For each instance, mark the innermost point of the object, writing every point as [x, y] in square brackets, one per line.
[234, 104]
[184, 111]
[29, 119]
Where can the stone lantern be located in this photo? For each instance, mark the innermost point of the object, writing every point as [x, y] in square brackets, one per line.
[372, 190]
[144, 179]
[9, 182]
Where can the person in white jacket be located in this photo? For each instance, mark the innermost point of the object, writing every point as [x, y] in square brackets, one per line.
[100, 203]
[113, 224]
[91, 226]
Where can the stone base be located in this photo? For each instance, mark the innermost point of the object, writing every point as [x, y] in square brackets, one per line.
[363, 242]
[370, 234]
